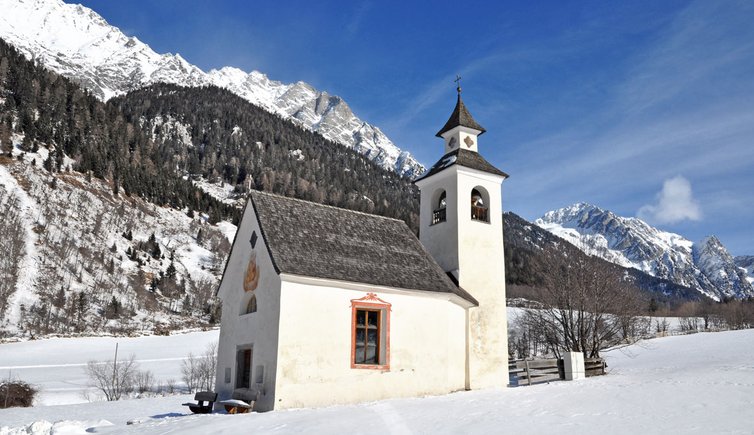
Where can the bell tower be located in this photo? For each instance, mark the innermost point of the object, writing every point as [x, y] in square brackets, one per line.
[461, 225]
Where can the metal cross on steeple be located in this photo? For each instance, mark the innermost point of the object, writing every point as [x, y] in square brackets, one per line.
[458, 83]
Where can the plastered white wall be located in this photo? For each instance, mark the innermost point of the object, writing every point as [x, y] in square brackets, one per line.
[461, 137]
[427, 348]
[258, 330]
[473, 252]
[482, 273]
[440, 239]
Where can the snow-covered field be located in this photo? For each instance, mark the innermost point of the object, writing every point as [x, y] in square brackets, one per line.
[57, 365]
[701, 383]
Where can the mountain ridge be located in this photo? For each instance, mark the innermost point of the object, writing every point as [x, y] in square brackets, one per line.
[78, 43]
[706, 265]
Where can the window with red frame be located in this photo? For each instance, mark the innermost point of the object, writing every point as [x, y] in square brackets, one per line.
[370, 342]
[367, 331]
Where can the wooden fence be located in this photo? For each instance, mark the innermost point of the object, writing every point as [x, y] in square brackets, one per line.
[594, 366]
[529, 372]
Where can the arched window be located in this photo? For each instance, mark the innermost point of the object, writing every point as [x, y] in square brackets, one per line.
[440, 204]
[251, 307]
[479, 205]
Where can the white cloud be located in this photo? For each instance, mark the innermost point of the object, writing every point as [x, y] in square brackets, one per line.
[357, 19]
[675, 203]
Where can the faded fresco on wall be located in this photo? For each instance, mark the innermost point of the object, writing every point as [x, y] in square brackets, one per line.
[251, 280]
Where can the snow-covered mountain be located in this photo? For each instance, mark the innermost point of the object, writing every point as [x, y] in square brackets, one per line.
[747, 263]
[706, 265]
[78, 43]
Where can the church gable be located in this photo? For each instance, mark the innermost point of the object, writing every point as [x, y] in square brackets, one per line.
[319, 241]
[249, 268]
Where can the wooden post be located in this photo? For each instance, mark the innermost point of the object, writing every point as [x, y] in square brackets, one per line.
[528, 374]
[115, 367]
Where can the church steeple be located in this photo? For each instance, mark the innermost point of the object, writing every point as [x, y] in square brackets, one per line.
[461, 130]
[461, 117]
[461, 225]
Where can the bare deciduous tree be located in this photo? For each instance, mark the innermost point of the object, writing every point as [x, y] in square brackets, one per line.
[170, 386]
[689, 316]
[189, 372]
[12, 234]
[208, 367]
[144, 381]
[586, 308]
[198, 372]
[113, 378]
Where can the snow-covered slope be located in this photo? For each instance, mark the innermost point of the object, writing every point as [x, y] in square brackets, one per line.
[78, 43]
[78, 247]
[698, 384]
[706, 266]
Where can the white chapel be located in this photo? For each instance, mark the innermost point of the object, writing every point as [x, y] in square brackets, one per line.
[324, 306]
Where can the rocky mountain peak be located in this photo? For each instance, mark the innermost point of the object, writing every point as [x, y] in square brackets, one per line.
[78, 43]
[706, 266]
[714, 260]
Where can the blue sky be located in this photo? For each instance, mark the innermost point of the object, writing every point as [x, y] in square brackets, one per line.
[645, 108]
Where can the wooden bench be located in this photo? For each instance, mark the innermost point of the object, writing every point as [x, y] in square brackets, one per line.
[241, 402]
[199, 407]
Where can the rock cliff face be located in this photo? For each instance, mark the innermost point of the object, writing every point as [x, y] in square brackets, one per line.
[716, 263]
[746, 262]
[705, 266]
[76, 42]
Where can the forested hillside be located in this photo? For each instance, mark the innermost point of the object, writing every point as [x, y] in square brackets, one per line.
[49, 110]
[229, 140]
[111, 221]
[212, 134]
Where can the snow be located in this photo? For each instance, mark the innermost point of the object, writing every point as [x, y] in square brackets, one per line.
[223, 192]
[698, 383]
[56, 365]
[196, 260]
[28, 269]
[171, 128]
[76, 42]
[630, 242]
[228, 229]
[80, 221]
[296, 154]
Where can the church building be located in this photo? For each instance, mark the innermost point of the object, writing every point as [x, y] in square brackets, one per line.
[324, 306]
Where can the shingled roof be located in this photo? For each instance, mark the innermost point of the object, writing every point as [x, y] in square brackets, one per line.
[314, 240]
[465, 158]
[462, 117]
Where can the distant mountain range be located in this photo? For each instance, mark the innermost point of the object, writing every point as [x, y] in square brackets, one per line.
[530, 252]
[706, 265]
[77, 43]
